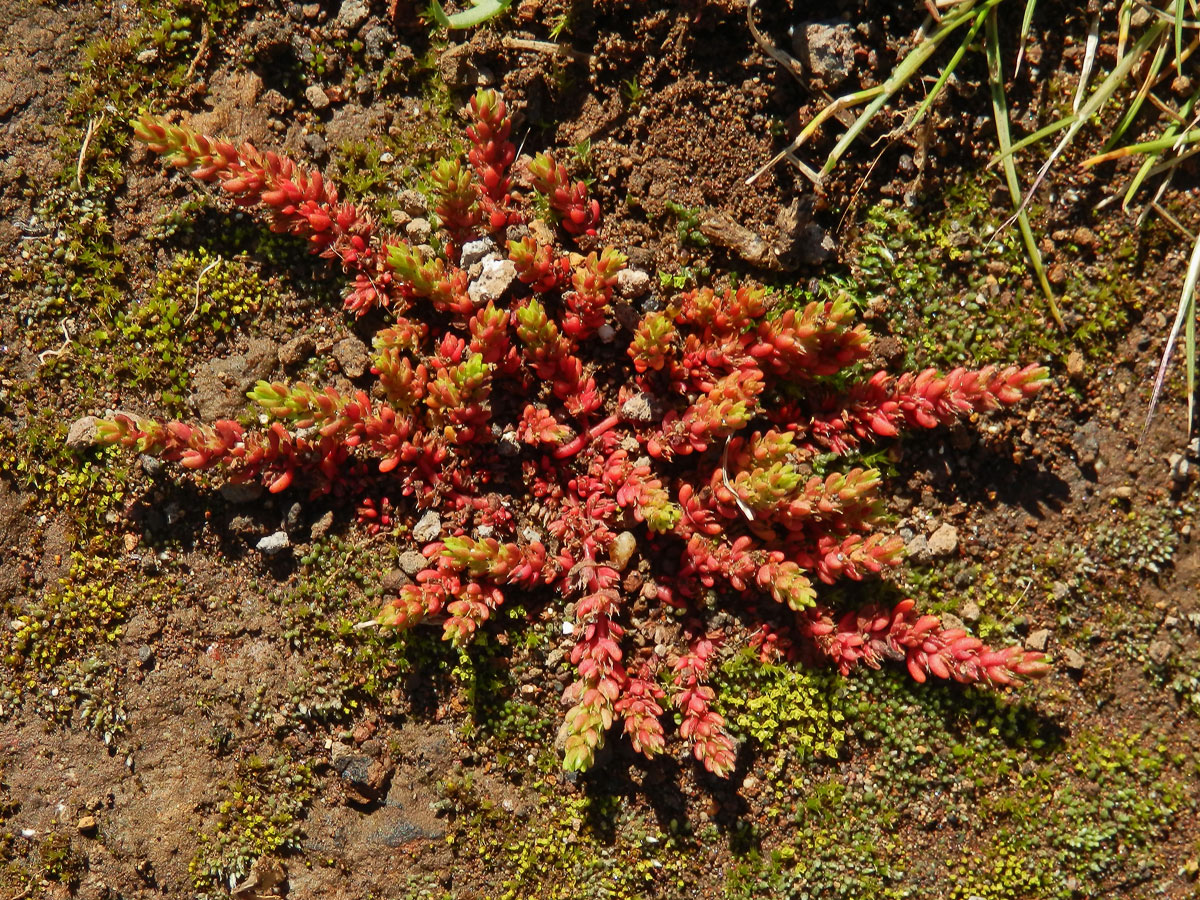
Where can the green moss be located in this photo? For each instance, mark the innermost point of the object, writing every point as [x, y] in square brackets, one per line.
[54, 650]
[195, 299]
[961, 297]
[60, 861]
[91, 488]
[260, 815]
[1013, 807]
[81, 611]
[570, 847]
[781, 708]
[347, 667]
[1106, 819]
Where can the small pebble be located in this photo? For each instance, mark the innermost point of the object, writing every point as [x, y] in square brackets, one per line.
[944, 541]
[316, 97]
[1073, 659]
[1038, 640]
[428, 528]
[1160, 651]
[273, 544]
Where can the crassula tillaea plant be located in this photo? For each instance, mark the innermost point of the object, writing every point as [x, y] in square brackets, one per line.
[575, 446]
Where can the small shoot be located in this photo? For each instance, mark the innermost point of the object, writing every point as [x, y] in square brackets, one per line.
[1000, 114]
[633, 93]
[481, 11]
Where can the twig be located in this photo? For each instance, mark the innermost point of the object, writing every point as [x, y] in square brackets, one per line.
[741, 504]
[551, 48]
[61, 350]
[1171, 220]
[93, 125]
[196, 303]
[794, 67]
[203, 48]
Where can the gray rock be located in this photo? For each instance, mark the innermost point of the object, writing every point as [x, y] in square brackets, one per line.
[412, 202]
[1160, 651]
[475, 251]
[812, 246]
[639, 408]
[297, 351]
[245, 526]
[802, 241]
[726, 232]
[82, 434]
[151, 465]
[145, 656]
[403, 832]
[917, 549]
[273, 544]
[493, 282]
[321, 527]
[632, 283]
[317, 98]
[221, 384]
[428, 528]
[394, 580]
[950, 620]
[376, 43]
[944, 541]
[411, 562]
[364, 779]
[1038, 640]
[352, 356]
[352, 14]
[315, 144]
[826, 49]
[294, 517]
[1073, 659]
[1086, 444]
[457, 69]
[970, 612]
[418, 229]
[1179, 468]
[508, 444]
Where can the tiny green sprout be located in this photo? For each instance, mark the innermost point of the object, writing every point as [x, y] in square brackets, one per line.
[687, 228]
[481, 11]
[633, 93]
[583, 153]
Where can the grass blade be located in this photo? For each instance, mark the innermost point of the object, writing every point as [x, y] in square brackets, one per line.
[1147, 83]
[1100, 96]
[1186, 312]
[1179, 57]
[1166, 142]
[947, 71]
[1000, 114]
[1026, 21]
[1089, 60]
[1189, 347]
[902, 75]
[1041, 134]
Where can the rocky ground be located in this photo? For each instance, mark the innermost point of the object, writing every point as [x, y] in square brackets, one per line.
[187, 708]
